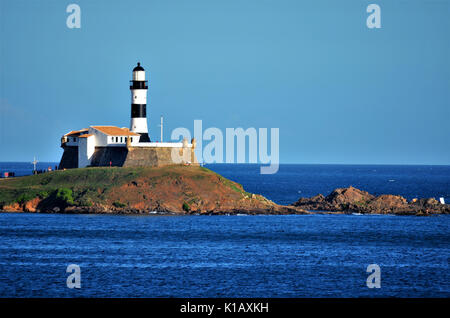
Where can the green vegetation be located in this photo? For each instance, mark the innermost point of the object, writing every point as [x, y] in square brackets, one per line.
[64, 196]
[24, 197]
[68, 187]
[119, 204]
[235, 186]
[186, 207]
[361, 203]
[43, 194]
[83, 202]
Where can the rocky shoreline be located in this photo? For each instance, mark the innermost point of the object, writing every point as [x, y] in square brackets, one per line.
[352, 200]
[340, 201]
[106, 209]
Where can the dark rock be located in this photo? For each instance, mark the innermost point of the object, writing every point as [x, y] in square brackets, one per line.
[350, 199]
[350, 195]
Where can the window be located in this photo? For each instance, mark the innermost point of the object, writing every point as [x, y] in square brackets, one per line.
[121, 139]
[131, 139]
[74, 139]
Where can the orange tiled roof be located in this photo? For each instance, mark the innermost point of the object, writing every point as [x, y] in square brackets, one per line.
[115, 131]
[76, 132]
[85, 135]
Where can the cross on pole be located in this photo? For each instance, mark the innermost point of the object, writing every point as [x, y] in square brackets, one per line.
[34, 162]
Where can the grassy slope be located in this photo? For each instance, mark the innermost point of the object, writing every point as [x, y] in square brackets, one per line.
[94, 184]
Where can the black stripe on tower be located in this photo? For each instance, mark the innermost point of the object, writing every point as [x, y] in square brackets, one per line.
[138, 84]
[144, 137]
[138, 110]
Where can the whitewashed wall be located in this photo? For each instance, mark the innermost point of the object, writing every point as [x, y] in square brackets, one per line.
[86, 148]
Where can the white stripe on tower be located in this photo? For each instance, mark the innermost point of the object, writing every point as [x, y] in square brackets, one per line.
[139, 96]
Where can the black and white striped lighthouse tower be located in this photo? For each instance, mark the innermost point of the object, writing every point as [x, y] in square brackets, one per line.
[138, 87]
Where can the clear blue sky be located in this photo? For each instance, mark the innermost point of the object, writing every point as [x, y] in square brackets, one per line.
[338, 91]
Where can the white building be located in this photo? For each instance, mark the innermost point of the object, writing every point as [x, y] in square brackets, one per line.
[98, 136]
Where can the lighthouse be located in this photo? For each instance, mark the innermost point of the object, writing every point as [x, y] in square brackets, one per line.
[138, 88]
[106, 145]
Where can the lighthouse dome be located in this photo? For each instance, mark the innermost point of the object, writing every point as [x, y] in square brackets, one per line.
[138, 68]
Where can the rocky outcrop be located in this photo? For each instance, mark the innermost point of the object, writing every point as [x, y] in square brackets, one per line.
[31, 205]
[352, 200]
[13, 207]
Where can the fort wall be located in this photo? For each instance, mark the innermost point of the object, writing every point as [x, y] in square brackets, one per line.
[131, 156]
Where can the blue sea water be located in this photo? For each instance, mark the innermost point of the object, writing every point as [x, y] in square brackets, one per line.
[240, 256]
[296, 180]
[25, 168]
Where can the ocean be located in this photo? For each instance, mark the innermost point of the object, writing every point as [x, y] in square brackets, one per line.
[239, 256]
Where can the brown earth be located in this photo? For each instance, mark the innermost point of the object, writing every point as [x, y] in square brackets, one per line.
[352, 200]
[191, 192]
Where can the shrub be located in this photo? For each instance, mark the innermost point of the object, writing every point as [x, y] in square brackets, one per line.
[119, 204]
[84, 202]
[24, 197]
[64, 195]
[43, 194]
[186, 207]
